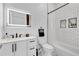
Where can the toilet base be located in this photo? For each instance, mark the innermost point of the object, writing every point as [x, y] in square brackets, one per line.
[46, 53]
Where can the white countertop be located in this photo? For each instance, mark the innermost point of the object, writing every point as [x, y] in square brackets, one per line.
[9, 40]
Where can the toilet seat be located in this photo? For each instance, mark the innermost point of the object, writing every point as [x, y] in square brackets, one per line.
[47, 46]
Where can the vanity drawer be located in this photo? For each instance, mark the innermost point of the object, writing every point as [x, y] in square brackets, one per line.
[32, 48]
[32, 42]
[32, 52]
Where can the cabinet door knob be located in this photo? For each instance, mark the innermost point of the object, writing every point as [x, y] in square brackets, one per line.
[12, 47]
[32, 41]
[32, 48]
[33, 55]
[15, 47]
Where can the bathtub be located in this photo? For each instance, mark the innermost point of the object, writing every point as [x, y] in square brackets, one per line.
[66, 50]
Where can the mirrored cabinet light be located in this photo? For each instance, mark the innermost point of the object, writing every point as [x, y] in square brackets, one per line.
[18, 18]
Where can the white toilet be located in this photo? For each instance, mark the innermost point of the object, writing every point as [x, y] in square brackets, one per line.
[47, 49]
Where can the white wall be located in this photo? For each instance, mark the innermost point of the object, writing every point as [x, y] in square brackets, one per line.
[53, 6]
[51, 24]
[39, 18]
[66, 38]
[1, 19]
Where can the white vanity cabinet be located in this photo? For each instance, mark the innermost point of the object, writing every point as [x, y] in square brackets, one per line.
[19, 48]
[32, 47]
[6, 49]
[14, 49]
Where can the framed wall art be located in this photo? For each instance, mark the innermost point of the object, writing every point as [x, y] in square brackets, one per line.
[72, 22]
[63, 23]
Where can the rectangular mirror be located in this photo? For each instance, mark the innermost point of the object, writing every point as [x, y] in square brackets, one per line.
[18, 18]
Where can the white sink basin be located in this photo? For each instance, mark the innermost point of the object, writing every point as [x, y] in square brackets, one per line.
[8, 40]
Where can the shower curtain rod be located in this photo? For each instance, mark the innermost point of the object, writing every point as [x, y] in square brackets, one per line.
[58, 8]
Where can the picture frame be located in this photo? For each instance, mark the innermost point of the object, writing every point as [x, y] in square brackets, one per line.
[72, 22]
[63, 23]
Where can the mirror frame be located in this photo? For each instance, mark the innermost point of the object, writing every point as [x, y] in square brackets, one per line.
[20, 11]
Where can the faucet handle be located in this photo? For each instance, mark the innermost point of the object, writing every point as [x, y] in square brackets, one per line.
[27, 35]
[20, 35]
[12, 36]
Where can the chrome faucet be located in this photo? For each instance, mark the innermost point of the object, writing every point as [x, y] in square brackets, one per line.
[12, 36]
[20, 35]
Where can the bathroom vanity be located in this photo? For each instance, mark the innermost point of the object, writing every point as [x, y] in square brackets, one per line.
[18, 46]
[25, 46]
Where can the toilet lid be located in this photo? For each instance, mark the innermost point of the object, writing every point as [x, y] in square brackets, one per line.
[47, 46]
